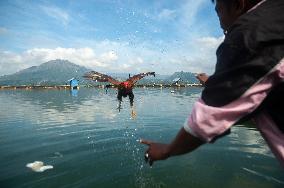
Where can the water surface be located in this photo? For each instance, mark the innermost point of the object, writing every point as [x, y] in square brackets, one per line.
[90, 144]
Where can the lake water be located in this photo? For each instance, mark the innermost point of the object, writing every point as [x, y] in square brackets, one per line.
[90, 144]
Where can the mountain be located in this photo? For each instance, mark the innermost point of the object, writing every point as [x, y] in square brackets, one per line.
[185, 77]
[58, 72]
[55, 72]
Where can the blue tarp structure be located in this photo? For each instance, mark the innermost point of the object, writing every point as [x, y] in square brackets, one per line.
[74, 83]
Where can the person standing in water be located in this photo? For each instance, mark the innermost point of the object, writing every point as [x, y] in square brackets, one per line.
[248, 82]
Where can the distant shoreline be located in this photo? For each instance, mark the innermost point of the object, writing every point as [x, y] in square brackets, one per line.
[62, 87]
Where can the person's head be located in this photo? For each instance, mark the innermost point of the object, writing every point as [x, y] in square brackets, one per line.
[229, 10]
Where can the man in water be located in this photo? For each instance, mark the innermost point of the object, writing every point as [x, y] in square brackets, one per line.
[124, 88]
[248, 82]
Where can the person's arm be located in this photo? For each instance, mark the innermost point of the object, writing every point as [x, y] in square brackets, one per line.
[183, 143]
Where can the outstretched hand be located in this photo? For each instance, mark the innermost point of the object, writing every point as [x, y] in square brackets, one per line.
[202, 77]
[183, 143]
[155, 151]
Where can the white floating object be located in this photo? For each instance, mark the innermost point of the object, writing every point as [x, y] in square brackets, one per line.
[38, 166]
[172, 91]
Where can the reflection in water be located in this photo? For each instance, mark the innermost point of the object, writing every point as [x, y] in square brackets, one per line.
[264, 176]
[90, 144]
[248, 141]
[187, 91]
[74, 92]
[58, 106]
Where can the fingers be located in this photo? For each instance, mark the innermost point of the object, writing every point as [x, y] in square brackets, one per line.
[146, 142]
[147, 156]
[150, 162]
[147, 159]
[198, 76]
[202, 77]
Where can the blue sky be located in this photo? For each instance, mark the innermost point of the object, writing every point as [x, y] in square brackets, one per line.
[132, 36]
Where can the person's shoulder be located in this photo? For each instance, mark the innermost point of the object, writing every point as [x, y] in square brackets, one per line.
[263, 23]
[268, 13]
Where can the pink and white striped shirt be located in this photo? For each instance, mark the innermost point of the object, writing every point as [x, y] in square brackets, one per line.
[208, 122]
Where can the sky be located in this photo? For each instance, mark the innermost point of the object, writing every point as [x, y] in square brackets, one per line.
[110, 36]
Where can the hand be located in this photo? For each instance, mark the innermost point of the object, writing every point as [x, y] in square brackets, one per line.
[202, 77]
[155, 151]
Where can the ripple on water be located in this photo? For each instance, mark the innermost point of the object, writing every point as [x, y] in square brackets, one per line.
[90, 144]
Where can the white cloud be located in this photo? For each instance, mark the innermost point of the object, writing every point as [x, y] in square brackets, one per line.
[3, 30]
[139, 60]
[14, 62]
[198, 55]
[210, 42]
[189, 11]
[57, 13]
[10, 62]
[109, 56]
[203, 56]
[189, 24]
[167, 14]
